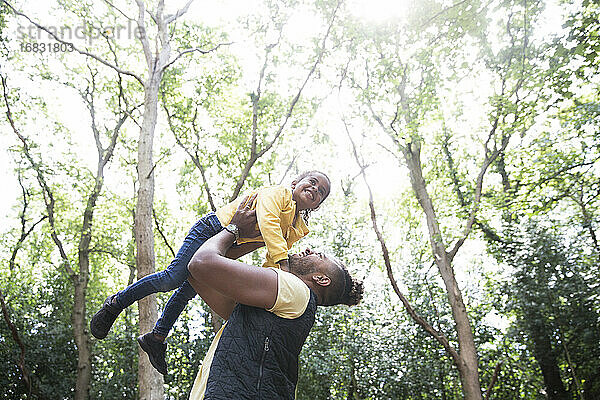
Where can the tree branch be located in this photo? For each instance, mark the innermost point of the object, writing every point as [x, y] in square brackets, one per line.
[162, 235]
[488, 392]
[143, 37]
[179, 13]
[104, 154]
[488, 160]
[587, 221]
[24, 231]
[560, 172]
[116, 8]
[195, 49]
[490, 156]
[165, 45]
[193, 156]
[288, 168]
[48, 196]
[255, 155]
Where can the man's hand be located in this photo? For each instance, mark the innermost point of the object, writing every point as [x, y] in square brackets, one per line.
[220, 280]
[245, 218]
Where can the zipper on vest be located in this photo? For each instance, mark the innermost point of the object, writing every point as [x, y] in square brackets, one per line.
[262, 364]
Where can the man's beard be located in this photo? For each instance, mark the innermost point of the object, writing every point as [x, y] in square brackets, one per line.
[300, 266]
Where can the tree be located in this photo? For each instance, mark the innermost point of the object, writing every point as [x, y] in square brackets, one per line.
[551, 286]
[80, 275]
[404, 94]
[156, 64]
[552, 175]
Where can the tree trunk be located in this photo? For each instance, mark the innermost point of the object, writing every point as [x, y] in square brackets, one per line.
[467, 363]
[81, 334]
[545, 356]
[150, 380]
[80, 283]
[81, 280]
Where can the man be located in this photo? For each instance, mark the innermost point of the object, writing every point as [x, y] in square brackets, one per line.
[255, 354]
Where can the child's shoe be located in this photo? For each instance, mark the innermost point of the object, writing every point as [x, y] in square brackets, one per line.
[104, 318]
[156, 351]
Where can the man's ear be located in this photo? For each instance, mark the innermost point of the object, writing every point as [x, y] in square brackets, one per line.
[321, 280]
[294, 184]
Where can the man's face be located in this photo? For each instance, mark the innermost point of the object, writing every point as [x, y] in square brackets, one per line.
[308, 262]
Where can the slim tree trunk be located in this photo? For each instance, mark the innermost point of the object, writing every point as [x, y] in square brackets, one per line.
[82, 339]
[467, 361]
[80, 283]
[151, 381]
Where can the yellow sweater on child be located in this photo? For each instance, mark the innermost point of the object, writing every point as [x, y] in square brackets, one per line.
[275, 212]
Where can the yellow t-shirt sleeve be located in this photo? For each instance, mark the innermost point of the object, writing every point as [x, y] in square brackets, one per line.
[269, 205]
[292, 296]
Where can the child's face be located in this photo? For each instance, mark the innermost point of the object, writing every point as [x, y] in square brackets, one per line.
[310, 191]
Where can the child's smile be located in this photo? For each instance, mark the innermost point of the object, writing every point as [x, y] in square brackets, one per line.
[310, 191]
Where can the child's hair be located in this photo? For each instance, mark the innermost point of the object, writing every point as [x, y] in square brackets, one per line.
[306, 213]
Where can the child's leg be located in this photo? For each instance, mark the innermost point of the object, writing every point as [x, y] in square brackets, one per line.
[163, 281]
[176, 304]
[176, 274]
[152, 342]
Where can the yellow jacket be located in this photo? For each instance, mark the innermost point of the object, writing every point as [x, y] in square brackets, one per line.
[275, 211]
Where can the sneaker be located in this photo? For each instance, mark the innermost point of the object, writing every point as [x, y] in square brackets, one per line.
[104, 318]
[156, 351]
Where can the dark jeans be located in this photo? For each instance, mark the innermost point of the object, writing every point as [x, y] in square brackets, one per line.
[173, 277]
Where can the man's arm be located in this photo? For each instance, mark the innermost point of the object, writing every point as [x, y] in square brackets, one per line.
[220, 304]
[283, 265]
[241, 250]
[240, 282]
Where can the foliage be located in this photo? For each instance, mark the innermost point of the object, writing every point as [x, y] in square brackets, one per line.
[452, 78]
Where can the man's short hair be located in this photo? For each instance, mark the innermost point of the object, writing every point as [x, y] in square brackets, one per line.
[344, 289]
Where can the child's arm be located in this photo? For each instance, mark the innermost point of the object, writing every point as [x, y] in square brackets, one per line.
[269, 206]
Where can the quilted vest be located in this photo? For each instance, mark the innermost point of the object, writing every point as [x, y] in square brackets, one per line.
[257, 355]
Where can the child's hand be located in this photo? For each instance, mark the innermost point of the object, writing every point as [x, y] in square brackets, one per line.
[245, 218]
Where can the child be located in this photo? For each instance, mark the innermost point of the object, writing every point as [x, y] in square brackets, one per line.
[277, 210]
